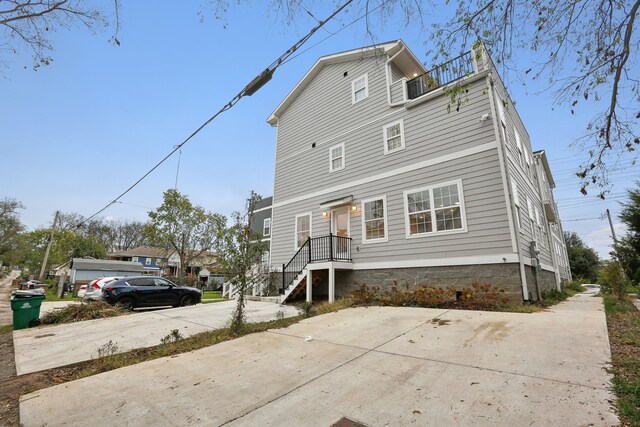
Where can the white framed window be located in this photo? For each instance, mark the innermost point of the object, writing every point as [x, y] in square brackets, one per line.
[266, 227]
[158, 261]
[147, 261]
[134, 259]
[359, 89]
[336, 157]
[303, 229]
[265, 257]
[530, 208]
[393, 136]
[374, 220]
[435, 209]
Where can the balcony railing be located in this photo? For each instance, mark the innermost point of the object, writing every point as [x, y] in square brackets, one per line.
[315, 249]
[441, 75]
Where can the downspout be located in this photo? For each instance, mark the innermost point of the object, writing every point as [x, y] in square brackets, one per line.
[503, 166]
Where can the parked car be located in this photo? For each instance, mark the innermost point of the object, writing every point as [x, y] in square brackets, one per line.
[149, 291]
[93, 291]
[83, 289]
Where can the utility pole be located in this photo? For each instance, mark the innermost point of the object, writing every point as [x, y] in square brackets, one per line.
[613, 232]
[46, 252]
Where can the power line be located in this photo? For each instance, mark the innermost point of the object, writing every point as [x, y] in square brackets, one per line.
[251, 88]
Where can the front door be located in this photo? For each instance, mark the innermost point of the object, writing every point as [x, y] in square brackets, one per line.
[340, 228]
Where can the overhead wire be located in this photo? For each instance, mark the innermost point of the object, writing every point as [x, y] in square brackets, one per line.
[255, 84]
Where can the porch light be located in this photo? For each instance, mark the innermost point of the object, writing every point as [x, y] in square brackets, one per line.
[354, 208]
[324, 213]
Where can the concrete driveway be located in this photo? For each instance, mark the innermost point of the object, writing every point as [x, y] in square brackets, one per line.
[6, 315]
[379, 366]
[37, 349]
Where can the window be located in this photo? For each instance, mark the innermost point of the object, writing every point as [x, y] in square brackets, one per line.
[359, 89]
[434, 209]
[303, 229]
[134, 259]
[374, 220]
[530, 208]
[518, 145]
[266, 227]
[500, 105]
[336, 157]
[147, 261]
[393, 137]
[158, 261]
[265, 257]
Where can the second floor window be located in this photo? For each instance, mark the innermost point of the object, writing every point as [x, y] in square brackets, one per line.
[336, 157]
[134, 259]
[359, 89]
[393, 137]
[147, 261]
[266, 227]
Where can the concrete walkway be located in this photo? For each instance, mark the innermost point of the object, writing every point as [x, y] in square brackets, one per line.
[379, 366]
[6, 315]
[37, 349]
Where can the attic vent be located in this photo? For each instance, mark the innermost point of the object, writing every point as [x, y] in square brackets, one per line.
[345, 74]
[313, 145]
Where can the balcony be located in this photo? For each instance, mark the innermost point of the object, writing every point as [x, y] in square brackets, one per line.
[455, 69]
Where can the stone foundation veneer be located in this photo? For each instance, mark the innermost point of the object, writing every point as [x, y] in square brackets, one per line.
[505, 276]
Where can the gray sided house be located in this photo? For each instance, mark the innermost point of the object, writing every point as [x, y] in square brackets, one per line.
[378, 178]
[85, 270]
[261, 221]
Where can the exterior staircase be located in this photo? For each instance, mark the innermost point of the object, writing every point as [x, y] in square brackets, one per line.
[298, 285]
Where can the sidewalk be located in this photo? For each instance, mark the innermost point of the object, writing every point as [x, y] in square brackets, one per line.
[377, 365]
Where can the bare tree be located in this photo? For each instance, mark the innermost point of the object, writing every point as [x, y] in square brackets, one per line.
[30, 23]
[586, 50]
[10, 225]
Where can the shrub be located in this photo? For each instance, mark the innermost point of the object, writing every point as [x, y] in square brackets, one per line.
[476, 297]
[426, 296]
[482, 297]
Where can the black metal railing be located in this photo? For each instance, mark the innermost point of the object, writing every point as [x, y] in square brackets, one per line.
[441, 75]
[315, 249]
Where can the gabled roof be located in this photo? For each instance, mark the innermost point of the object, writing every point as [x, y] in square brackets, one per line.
[142, 251]
[106, 265]
[406, 60]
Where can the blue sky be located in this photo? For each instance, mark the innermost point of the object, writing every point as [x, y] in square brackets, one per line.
[75, 134]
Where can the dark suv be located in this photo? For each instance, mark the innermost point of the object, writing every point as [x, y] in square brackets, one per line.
[148, 291]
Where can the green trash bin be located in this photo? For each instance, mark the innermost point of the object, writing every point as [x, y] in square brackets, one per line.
[26, 310]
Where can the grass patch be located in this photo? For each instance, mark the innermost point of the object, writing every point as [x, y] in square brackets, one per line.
[623, 323]
[6, 329]
[80, 312]
[212, 294]
[52, 295]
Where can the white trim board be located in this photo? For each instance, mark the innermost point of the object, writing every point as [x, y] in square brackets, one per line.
[439, 262]
[409, 168]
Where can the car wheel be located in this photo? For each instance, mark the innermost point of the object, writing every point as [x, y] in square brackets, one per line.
[126, 303]
[186, 300]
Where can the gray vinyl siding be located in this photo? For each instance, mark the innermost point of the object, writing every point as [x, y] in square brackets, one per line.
[396, 74]
[397, 91]
[485, 207]
[430, 132]
[324, 109]
[526, 180]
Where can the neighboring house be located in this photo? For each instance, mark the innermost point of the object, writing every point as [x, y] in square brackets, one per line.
[154, 260]
[261, 222]
[85, 270]
[160, 261]
[380, 179]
